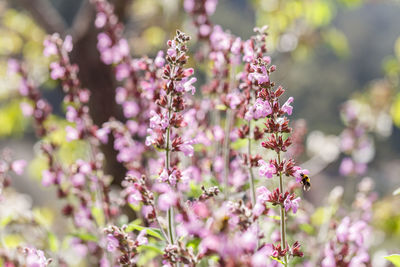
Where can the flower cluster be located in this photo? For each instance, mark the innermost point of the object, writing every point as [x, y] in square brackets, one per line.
[191, 194]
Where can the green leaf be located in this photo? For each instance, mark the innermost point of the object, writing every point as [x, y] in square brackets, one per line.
[307, 228]
[86, 236]
[395, 259]
[4, 221]
[53, 242]
[98, 216]
[396, 192]
[150, 247]
[150, 231]
[278, 260]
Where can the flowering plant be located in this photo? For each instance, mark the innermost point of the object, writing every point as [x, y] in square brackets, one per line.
[210, 176]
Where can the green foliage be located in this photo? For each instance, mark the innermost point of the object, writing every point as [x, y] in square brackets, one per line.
[98, 215]
[396, 110]
[150, 231]
[337, 41]
[394, 259]
[11, 119]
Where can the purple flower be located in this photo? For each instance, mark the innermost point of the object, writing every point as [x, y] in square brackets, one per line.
[130, 108]
[188, 5]
[287, 108]
[261, 109]
[102, 134]
[48, 178]
[259, 77]
[298, 171]
[67, 44]
[236, 46]
[72, 114]
[210, 6]
[142, 239]
[57, 71]
[112, 243]
[187, 148]
[72, 133]
[27, 109]
[159, 61]
[186, 85]
[18, 166]
[35, 258]
[101, 20]
[166, 200]
[12, 66]
[262, 258]
[266, 169]
[134, 197]
[346, 166]
[78, 179]
[292, 204]
[122, 71]
[248, 51]
[50, 48]
[233, 99]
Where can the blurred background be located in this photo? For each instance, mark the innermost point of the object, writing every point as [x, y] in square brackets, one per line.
[340, 59]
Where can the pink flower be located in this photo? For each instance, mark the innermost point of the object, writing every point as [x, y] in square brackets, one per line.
[102, 134]
[186, 85]
[26, 108]
[346, 167]
[23, 88]
[120, 95]
[50, 48]
[259, 77]
[35, 258]
[291, 204]
[234, 100]
[201, 209]
[72, 114]
[112, 243]
[287, 108]
[122, 71]
[130, 108]
[72, 133]
[188, 5]
[48, 178]
[12, 66]
[57, 71]
[262, 258]
[101, 20]
[166, 200]
[67, 44]
[210, 6]
[187, 148]
[78, 179]
[103, 41]
[266, 169]
[236, 46]
[248, 51]
[84, 95]
[142, 240]
[261, 109]
[159, 61]
[134, 197]
[18, 166]
[298, 173]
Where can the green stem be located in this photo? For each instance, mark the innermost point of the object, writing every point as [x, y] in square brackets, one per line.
[170, 213]
[251, 174]
[226, 149]
[283, 214]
